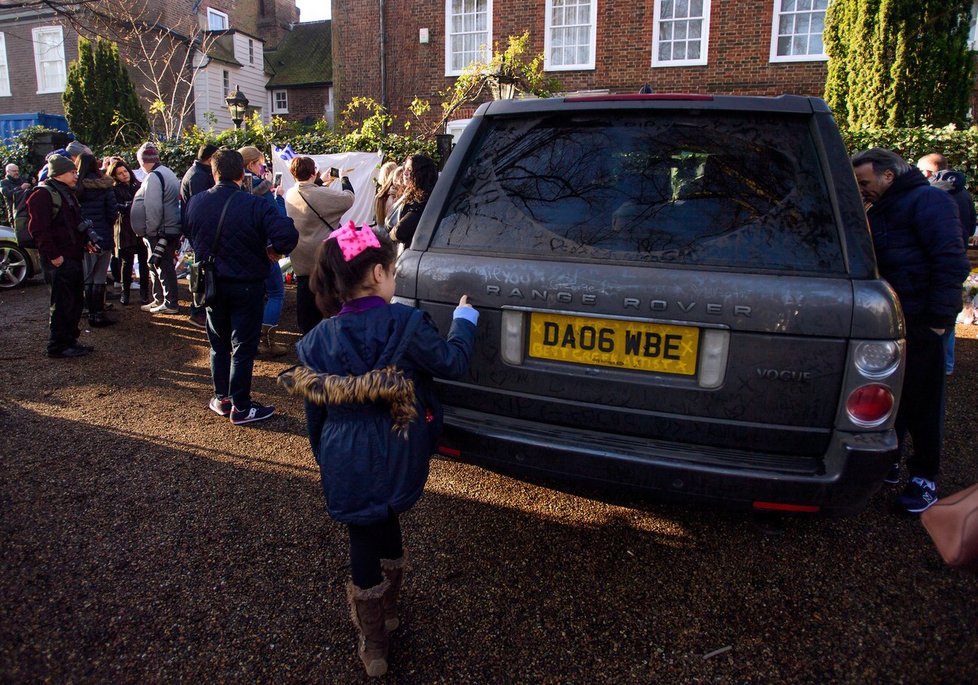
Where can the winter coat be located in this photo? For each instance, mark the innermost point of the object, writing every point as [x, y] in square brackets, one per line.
[956, 185]
[197, 179]
[302, 202]
[56, 236]
[159, 205]
[125, 239]
[250, 225]
[917, 240]
[372, 416]
[407, 221]
[98, 204]
[12, 190]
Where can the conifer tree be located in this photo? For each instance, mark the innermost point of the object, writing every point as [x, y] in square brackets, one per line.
[899, 63]
[99, 98]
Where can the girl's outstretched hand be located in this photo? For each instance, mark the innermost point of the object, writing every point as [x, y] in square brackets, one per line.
[464, 301]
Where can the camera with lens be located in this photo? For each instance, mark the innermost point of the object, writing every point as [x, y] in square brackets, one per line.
[85, 228]
[158, 252]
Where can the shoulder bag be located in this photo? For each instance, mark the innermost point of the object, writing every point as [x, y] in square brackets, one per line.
[203, 278]
[328, 225]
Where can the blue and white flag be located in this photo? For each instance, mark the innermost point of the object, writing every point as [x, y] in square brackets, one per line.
[286, 154]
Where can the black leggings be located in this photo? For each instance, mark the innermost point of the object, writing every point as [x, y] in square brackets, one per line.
[369, 544]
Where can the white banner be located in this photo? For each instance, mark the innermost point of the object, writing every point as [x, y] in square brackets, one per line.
[360, 167]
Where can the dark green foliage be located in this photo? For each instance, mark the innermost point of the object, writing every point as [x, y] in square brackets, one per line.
[99, 98]
[895, 63]
[305, 140]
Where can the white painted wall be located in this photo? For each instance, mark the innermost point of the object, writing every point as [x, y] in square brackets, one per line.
[250, 78]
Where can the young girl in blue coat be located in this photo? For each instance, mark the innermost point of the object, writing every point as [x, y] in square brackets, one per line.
[372, 416]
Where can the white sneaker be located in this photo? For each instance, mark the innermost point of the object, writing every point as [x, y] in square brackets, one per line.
[151, 306]
[163, 309]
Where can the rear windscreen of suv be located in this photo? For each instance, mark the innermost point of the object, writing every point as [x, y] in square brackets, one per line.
[675, 188]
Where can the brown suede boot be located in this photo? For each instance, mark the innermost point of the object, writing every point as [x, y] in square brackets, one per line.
[394, 574]
[367, 612]
[269, 345]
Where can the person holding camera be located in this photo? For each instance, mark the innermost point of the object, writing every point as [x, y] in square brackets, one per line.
[98, 207]
[55, 222]
[160, 196]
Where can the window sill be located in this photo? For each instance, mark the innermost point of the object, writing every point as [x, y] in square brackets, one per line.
[50, 92]
[781, 59]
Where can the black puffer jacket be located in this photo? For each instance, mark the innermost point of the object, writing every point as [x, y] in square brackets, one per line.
[251, 224]
[98, 204]
[917, 239]
[125, 238]
[955, 184]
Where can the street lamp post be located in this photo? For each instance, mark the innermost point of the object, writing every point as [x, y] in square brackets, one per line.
[503, 83]
[237, 106]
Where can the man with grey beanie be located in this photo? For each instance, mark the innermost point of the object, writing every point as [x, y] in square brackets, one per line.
[156, 214]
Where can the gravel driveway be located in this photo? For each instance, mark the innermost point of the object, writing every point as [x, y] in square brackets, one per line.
[146, 540]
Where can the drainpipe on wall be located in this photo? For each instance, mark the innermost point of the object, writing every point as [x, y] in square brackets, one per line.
[383, 62]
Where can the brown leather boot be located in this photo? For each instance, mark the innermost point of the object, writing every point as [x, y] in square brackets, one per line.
[394, 574]
[367, 612]
[268, 343]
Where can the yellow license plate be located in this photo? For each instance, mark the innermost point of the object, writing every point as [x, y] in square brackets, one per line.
[641, 346]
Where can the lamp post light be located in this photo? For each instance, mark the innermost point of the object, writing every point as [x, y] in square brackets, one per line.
[503, 83]
[237, 106]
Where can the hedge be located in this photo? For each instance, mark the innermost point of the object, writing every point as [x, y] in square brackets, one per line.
[309, 140]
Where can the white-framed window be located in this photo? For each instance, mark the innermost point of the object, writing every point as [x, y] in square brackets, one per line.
[251, 51]
[680, 33]
[796, 31]
[280, 102]
[4, 74]
[49, 59]
[226, 82]
[216, 20]
[569, 34]
[468, 34]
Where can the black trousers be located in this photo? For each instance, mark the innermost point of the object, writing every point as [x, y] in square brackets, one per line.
[371, 543]
[921, 412]
[66, 285]
[307, 314]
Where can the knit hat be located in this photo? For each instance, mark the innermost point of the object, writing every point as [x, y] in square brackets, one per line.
[75, 148]
[249, 153]
[58, 165]
[147, 154]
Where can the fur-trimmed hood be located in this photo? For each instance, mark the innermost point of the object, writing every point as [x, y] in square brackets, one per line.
[100, 182]
[389, 385]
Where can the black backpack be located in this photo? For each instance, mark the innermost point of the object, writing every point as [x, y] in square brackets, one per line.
[24, 238]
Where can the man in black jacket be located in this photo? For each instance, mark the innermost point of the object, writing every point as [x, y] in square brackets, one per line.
[917, 240]
[197, 179]
[12, 187]
[954, 183]
[54, 217]
[248, 225]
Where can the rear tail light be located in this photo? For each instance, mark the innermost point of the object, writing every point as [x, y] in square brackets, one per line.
[449, 451]
[870, 405]
[877, 359]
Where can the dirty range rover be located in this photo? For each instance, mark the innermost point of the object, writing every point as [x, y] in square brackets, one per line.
[678, 294]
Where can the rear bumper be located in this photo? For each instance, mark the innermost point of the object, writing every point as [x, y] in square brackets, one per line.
[838, 484]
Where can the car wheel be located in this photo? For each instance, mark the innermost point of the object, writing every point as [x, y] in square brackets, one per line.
[14, 266]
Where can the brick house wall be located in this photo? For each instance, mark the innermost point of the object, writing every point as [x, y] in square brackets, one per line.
[19, 42]
[306, 104]
[738, 51]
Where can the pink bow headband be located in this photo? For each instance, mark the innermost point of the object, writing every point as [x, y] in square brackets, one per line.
[353, 241]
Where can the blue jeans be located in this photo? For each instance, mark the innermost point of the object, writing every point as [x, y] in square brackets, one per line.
[234, 329]
[275, 290]
[949, 350]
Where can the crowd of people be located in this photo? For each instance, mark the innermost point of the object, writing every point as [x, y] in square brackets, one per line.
[365, 364]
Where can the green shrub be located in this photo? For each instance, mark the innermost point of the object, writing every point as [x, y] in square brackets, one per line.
[960, 147]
